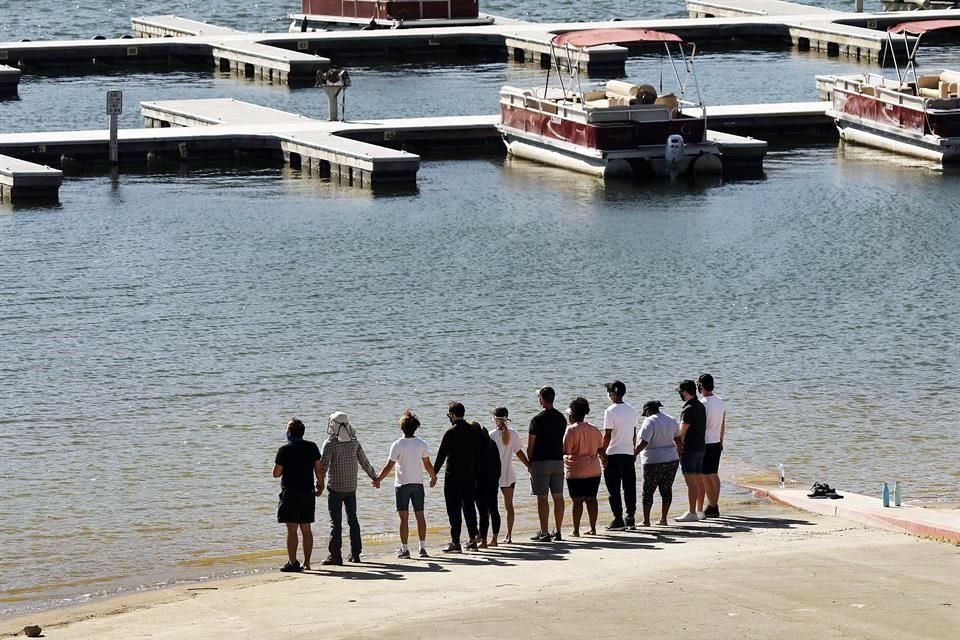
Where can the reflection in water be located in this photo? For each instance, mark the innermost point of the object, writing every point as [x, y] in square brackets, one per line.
[849, 152]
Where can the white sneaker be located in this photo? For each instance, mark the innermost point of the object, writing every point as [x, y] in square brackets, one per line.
[701, 515]
[687, 517]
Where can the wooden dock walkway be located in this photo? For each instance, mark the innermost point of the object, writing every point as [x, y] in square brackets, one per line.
[23, 181]
[295, 58]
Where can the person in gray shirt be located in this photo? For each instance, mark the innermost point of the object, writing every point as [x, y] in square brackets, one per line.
[340, 460]
[659, 436]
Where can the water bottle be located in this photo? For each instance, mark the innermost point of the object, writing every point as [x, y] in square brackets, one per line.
[781, 476]
[896, 493]
[886, 495]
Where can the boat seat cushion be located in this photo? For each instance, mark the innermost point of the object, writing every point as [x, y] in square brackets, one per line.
[950, 76]
[669, 101]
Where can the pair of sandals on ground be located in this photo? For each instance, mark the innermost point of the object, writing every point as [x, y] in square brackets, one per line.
[821, 490]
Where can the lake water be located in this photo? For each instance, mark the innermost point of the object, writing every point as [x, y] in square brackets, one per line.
[158, 330]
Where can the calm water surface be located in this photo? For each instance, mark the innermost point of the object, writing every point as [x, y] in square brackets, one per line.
[159, 329]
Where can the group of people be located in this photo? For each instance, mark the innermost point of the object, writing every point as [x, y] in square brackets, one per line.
[561, 448]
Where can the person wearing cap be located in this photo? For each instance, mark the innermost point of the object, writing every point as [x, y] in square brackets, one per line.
[582, 447]
[545, 453]
[340, 460]
[619, 442]
[296, 464]
[693, 424]
[410, 456]
[659, 435]
[460, 451]
[713, 444]
[509, 446]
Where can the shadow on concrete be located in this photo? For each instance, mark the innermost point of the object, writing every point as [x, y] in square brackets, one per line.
[652, 538]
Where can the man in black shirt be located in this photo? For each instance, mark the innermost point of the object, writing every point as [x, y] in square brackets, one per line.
[296, 464]
[545, 452]
[693, 429]
[460, 450]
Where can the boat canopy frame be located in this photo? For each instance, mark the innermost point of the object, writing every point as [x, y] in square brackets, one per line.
[915, 29]
[574, 43]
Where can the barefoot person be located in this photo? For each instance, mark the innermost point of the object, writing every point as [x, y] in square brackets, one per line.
[693, 423]
[582, 448]
[340, 459]
[657, 449]
[488, 487]
[545, 452]
[509, 445]
[460, 451]
[713, 443]
[296, 464]
[410, 456]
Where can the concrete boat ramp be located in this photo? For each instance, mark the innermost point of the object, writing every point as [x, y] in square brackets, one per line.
[939, 524]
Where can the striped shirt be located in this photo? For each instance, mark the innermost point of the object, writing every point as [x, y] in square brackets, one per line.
[340, 462]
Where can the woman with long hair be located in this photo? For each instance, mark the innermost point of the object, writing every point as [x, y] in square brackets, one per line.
[509, 446]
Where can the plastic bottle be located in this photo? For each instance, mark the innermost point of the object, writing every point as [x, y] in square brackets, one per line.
[782, 479]
[886, 495]
[896, 493]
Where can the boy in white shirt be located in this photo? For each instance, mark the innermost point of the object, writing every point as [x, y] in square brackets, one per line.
[408, 454]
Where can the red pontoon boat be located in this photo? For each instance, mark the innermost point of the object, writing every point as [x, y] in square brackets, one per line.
[912, 114]
[616, 129]
[320, 14]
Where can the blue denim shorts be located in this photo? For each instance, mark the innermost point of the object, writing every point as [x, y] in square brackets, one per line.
[407, 493]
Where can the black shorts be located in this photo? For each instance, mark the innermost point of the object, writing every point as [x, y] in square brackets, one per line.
[583, 487]
[711, 458]
[296, 507]
[691, 462]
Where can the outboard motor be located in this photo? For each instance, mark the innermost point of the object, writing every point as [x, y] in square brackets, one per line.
[673, 155]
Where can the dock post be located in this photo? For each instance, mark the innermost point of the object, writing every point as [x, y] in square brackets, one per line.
[859, 6]
[114, 109]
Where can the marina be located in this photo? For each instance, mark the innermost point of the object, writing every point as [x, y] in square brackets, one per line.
[254, 255]
[368, 153]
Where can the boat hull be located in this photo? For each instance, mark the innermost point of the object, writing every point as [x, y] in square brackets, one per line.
[702, 158]
[935, 148]
[876, 112]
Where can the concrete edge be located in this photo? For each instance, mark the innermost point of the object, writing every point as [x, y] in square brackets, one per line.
[898, 524]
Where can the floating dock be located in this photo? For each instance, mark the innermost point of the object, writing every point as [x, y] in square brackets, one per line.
[366, 153]
[9, 81]
[23, 181]
[295, 58]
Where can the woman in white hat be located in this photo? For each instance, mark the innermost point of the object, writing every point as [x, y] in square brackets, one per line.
[509, 445]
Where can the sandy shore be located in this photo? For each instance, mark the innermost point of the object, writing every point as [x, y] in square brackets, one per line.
[767, 572]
